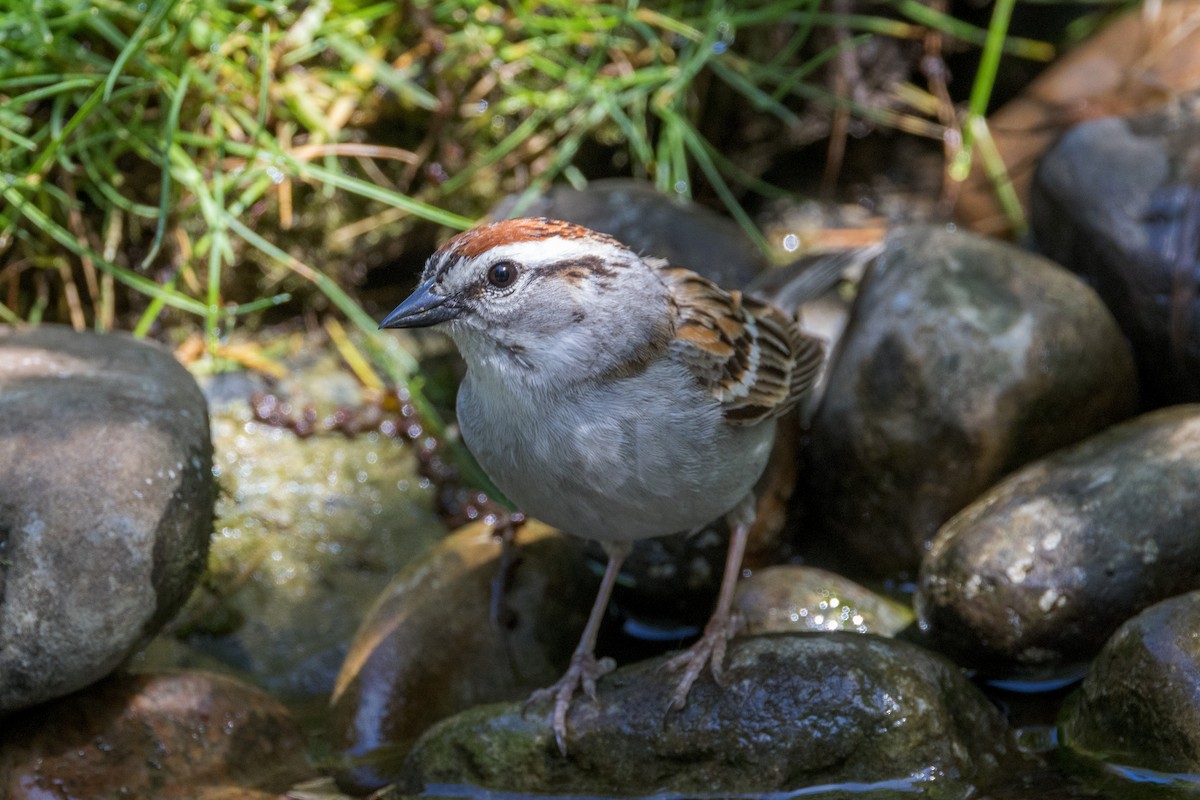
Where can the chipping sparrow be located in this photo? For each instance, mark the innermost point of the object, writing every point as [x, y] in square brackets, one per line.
[614, 397]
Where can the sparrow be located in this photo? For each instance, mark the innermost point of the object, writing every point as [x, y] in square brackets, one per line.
[614, 397]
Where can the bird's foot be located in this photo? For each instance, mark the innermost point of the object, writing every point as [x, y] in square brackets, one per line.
[708, 649]
[585, 669]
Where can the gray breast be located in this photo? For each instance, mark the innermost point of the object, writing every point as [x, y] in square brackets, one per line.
[642, 456]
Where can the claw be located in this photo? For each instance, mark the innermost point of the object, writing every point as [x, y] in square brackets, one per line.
[583, 673]
[717, 664]
[709, 650]
[602, 667]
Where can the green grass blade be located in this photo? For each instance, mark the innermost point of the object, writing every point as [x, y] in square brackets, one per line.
[698, 148]
[323, 282]
[164, 193]
[50, 152]
[64, 237]
[503, 148]
[8, 316]
[984, 83]
[158, 12]
[274, 301]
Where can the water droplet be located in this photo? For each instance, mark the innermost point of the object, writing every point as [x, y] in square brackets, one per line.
[791, 243]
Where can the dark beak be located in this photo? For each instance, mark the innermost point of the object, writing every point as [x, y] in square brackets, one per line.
[422, 309]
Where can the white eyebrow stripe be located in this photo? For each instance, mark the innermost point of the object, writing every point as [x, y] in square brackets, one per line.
[538, 252]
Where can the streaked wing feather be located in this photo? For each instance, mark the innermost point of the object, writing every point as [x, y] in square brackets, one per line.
[750, 355]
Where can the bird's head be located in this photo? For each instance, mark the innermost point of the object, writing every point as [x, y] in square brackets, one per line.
[542, 300]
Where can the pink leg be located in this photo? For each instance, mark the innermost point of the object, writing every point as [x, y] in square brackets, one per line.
[584, 668]
[710, 647]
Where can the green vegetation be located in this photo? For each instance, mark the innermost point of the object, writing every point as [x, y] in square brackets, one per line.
[145, 144]
[209, 154]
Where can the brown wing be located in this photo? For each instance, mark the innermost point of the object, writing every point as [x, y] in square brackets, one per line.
[750, 355]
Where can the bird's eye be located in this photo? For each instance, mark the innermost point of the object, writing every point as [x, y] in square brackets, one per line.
[502, 274]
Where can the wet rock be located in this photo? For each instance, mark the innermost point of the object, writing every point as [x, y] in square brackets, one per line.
[171, 735]
[653, 224]
[106, 502]
[965, 358]
[308, 530]
[1041, 569]
[789, 599]
[797, 710]
[430, 647]
[1140, 703]
[1118, 201]
[234, 793]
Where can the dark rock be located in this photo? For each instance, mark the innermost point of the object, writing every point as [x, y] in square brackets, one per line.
[429, 648]
[789, 599]
[652, 224]
[1041, 569]
[106, 503]
[965, 358]
[1118, 201]
[1140, 703]
[797, 710]
[162, 736]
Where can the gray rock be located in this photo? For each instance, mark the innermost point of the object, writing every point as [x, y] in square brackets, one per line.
[1118, 201]
[965, 358]
[797, 710]
[1140, 704]
[1041, 569]
[652, 224]
[106, 502]
[431, 646]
